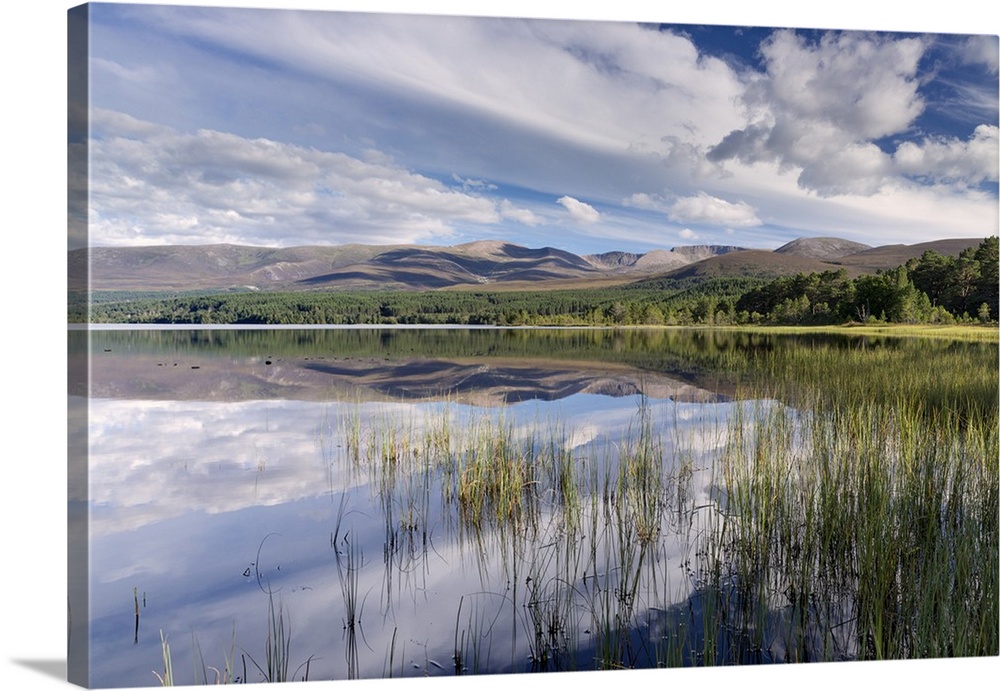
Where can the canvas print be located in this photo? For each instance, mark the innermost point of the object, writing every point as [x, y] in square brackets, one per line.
[415, 345]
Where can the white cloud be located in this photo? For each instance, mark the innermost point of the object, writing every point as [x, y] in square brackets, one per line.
[688, 234]
[649, 202]
[704, 208]
[580, 211]
[609, 88]
[820, 106]
[854, 168]
[472, 184]
[950, 159]
[700, 208]
[981, 50]
[523, 216]
[151, 184]
[862, 84]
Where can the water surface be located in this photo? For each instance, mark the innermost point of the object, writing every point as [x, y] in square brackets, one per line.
[235, 475]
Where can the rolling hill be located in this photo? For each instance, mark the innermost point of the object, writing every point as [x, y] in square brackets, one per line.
[474, 265]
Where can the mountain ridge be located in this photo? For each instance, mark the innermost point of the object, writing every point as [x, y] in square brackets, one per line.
[477, 264]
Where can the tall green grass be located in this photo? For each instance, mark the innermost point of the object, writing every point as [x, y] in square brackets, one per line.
[873, 529]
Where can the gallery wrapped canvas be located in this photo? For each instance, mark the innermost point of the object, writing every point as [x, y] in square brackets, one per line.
[412, 345]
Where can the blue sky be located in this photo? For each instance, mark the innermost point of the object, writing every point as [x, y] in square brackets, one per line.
[279, 128]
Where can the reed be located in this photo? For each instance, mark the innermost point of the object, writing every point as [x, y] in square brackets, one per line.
[276, 647]
[497, 475]
[349, 565]
[641, 479]
[167, 678]
[870, 530]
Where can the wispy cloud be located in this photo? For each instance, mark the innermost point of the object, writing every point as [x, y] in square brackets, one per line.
[566, 80]
[152, 184]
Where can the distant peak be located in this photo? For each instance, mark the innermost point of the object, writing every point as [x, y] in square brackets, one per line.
[822, 248]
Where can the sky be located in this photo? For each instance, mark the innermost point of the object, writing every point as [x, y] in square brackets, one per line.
[283, 128]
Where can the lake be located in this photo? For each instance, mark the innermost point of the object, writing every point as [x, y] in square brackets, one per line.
[369, 503]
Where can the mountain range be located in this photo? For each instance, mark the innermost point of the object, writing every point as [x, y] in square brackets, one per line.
[483, 264]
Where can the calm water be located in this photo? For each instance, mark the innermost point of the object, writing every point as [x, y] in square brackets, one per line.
[316, 473]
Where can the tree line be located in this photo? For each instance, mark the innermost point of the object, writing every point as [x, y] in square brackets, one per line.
[933, 288]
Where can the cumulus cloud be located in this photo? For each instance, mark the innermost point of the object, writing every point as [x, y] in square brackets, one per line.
[704, 208]
[820, 106]
[580, 211]
[864, 85]
[150, 183]
[950, 159]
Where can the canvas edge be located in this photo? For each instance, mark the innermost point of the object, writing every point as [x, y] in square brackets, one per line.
[77, 344]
